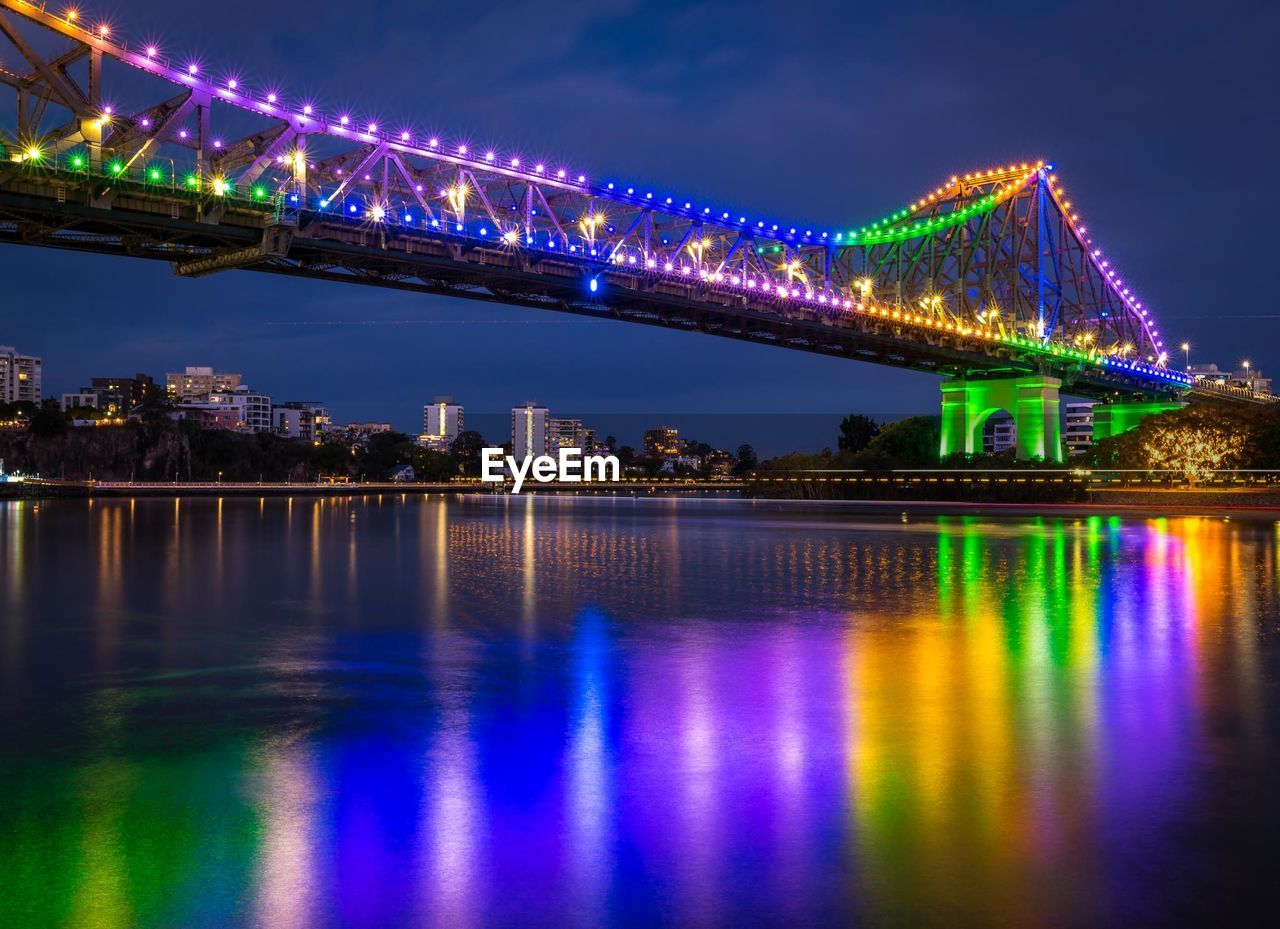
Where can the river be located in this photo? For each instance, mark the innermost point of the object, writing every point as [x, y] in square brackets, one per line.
[485, 711]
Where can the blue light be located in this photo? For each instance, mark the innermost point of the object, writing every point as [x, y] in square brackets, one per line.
[324, 204]
[293, 198]
[408, 218]
[351, 209]
[594, 285]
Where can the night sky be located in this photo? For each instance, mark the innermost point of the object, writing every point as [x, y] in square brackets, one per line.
[1159, 116]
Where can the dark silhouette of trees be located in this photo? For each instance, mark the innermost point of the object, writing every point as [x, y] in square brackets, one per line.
[856, 432]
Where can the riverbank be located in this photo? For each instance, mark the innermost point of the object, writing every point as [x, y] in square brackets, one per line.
[1109, 501]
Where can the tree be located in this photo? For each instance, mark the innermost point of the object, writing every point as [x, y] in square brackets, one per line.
[910, 442]
[856, 432]
[1192, 441]
[47, 421]
[747, 459]
[466, 449]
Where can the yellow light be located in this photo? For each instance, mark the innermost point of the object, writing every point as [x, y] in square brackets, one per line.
[33, 153]
[1186, 346]
[71, 15]
[220, 186]
[104, 30]
[378, 214]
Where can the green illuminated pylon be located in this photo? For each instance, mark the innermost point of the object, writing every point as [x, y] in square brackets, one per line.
[1111, 419]
[1032, 402]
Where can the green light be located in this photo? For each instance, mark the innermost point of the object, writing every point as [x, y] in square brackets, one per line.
[77, 162]
[259, 192]
[116, 167]
[192, 181]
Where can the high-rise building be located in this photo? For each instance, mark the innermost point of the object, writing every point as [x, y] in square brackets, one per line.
[529, 431]
[84, 400]
[565, 433]
[20, 376]
[663, 442]
[196, 383]
[1077, 432]
[441, 424]
[122, 394]
[300, 419]
[999, 433]
[253, 410]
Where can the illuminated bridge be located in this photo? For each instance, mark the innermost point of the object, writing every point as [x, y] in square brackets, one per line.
[990, 280]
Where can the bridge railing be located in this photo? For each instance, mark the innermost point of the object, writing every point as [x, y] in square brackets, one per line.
[1234, 392]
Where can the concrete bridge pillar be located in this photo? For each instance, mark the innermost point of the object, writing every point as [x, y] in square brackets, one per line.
[1111, 419]
[1032, 401]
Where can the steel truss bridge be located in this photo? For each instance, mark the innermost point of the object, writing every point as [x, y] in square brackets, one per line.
[117, 148]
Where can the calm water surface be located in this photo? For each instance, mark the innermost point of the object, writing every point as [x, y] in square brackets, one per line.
[391, 712]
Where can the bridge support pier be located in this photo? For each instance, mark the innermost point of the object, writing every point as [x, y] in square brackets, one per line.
[1032, 401]
[1111, 419]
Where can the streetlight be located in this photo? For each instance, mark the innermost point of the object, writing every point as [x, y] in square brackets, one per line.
[1186, 347]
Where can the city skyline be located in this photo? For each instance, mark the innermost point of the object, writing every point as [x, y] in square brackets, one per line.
[247, 321]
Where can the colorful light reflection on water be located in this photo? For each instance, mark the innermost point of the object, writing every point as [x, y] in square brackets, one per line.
[465, 712]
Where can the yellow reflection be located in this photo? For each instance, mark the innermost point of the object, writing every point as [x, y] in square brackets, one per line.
[286, 893]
